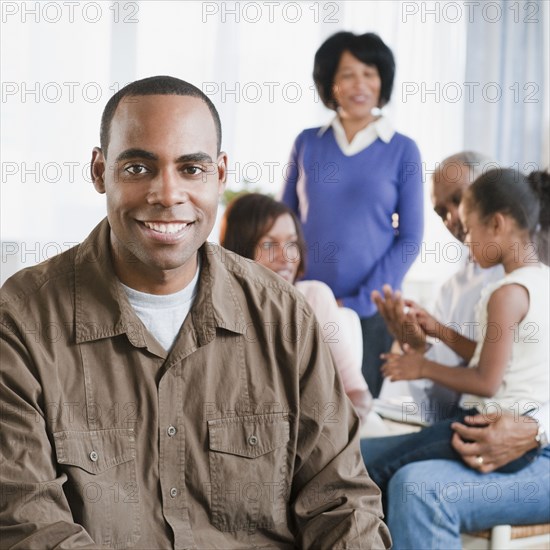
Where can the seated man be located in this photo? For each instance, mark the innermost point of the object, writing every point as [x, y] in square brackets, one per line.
[457, 297]
[430, 503]
[160, 392]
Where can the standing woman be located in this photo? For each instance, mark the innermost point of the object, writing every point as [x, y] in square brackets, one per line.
[356, 186]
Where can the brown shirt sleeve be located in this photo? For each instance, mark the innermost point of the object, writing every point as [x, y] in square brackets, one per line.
[334, 502]
[34, 512]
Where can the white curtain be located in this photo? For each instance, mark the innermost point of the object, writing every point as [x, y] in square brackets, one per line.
[507, 65]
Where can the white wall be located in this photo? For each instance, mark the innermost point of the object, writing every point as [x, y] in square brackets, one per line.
[75, 61]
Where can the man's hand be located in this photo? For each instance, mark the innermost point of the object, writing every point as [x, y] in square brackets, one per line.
[403, 367]
[429, 324]
[495, 439]
[400, 317]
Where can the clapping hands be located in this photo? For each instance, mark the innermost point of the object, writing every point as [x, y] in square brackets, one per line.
[406, 320]
[403, 367]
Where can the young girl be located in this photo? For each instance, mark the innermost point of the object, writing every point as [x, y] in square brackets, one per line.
[509, 367]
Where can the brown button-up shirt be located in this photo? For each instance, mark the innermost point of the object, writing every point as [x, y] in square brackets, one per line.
[240, 437]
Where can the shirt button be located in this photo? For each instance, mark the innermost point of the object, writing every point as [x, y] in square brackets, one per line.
[252, 440]
[173, 492]
[94, 456]
[171, 431]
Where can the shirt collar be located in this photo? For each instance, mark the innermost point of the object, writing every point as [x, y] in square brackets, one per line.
[217, 304]
[380, 128]
[99, 312]
[102, 309]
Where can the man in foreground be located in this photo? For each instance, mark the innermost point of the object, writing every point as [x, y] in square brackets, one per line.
[160, 392]
[430, 503]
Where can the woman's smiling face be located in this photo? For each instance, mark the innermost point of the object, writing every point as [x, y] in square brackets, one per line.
[278, 249]
[356, 87]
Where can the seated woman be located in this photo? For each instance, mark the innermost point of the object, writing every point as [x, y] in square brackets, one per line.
[262, 229]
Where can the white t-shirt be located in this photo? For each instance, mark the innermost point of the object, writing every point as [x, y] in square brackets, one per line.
[163, 315]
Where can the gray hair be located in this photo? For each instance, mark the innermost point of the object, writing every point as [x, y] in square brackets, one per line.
[477, 163]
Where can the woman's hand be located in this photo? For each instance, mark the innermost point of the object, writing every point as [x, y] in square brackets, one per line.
[403, 367]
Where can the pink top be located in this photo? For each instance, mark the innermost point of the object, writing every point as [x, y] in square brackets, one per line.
[338, 330]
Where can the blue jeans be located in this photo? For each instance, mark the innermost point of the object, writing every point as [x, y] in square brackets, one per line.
[431, 502]
[384, 456]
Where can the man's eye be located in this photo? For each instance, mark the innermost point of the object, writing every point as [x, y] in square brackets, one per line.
[135, 169]
[193, 170]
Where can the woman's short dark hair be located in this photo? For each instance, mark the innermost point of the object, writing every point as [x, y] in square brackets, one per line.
[248, 218]
[368, 48]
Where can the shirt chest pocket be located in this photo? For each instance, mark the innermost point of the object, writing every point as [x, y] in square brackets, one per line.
[102, 489]
[249, 471]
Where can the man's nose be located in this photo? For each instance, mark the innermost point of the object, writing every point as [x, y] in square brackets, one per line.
[167, 189]
[452, 218]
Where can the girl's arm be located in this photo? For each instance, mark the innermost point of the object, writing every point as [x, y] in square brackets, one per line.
[507, 306]
[451, 338]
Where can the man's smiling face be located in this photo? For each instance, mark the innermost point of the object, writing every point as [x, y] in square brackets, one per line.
[162, 177]
[448, 184]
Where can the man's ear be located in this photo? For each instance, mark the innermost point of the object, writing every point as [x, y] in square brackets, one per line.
[222, 172]
[498, 222]
[97, 170]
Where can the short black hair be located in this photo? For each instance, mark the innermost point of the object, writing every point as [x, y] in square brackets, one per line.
[524, 198]
[154, 85]
[368, 48]
[248, 218]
